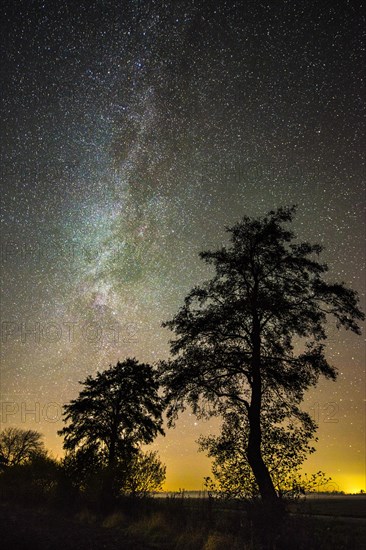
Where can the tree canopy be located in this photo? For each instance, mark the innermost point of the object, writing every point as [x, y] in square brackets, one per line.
[256, 331]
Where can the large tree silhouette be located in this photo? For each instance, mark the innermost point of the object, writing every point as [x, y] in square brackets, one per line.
[236, 333]
[117, 411]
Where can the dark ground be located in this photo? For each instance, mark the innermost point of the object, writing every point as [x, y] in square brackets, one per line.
[335, 524]
[29, 529]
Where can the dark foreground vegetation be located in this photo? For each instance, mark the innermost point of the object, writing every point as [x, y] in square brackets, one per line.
[42, 507]
[180, 524]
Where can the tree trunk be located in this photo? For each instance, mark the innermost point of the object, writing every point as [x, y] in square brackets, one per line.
[109, 489]
[260, 470]
[254, 453]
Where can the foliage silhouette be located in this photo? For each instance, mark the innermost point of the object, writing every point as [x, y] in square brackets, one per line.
[286, 443]
[117, 411]
[145, 474]
[236, 333]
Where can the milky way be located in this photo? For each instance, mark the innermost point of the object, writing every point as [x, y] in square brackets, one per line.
[133, 133]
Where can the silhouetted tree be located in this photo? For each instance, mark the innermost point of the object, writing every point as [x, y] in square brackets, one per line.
[117, 411]
[18, 446]
[235, 334]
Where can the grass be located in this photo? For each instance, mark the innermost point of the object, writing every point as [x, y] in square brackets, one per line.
[183, 524]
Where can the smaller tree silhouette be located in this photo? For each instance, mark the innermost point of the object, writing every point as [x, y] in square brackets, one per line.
[18, 446]
[117, 411]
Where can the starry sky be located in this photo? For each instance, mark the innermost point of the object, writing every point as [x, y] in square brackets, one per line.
[132, 133]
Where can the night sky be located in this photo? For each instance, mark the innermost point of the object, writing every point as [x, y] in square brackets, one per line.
[132, 133]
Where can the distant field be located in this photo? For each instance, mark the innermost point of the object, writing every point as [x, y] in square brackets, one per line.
[315, 504]
[345, 506]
